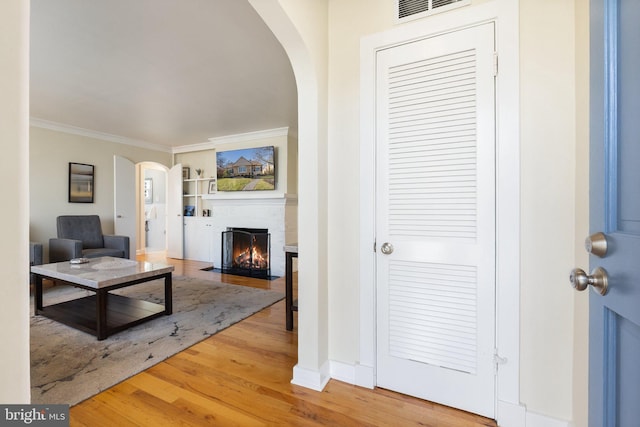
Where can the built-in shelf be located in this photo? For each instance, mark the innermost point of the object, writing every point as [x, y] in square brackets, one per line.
[194, 190]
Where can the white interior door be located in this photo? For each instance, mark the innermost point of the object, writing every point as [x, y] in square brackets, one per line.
[124, 175]
[175, 226]
[435, 219]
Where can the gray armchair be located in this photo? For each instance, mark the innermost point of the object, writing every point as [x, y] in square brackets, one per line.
[35, 257]
[81, 236]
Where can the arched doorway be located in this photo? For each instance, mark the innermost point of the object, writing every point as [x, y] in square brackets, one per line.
[152, 213]
[305, 49]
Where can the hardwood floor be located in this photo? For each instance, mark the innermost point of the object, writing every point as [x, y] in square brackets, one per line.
[241, 376]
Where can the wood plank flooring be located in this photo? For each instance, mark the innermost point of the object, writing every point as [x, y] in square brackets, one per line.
[241, 377]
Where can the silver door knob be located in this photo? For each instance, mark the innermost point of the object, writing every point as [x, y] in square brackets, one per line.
[386, 248]
[598, 279]
[596, 244]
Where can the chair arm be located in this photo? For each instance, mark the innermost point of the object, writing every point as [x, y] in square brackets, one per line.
[35, 257]
[35, 253]
[64, 249]
[117, 242]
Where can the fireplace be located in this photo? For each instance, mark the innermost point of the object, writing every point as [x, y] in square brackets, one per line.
[246, 252]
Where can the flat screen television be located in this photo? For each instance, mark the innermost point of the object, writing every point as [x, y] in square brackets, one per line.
[250, 169]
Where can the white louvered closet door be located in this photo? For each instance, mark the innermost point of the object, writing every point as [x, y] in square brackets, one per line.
[435, 205]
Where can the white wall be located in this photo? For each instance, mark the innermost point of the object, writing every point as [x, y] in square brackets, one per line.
[14, 173]
[50, 154]
[581, 299]
[548, 188]
[550, 194]
[345, 32]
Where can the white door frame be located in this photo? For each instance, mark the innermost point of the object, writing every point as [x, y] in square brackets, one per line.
[505, 14]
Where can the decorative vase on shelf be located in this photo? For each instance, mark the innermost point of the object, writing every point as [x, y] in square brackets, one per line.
[198, 172]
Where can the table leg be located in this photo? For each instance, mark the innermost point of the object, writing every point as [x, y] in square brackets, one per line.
[168, 296]
[101, 314]
[289, 290]
[37, 293]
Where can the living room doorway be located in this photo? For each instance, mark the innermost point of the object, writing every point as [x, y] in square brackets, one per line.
[152, 226]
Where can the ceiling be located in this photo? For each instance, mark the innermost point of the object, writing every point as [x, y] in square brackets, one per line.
[164, 72]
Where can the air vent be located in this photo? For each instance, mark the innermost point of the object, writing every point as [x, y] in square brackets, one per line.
[412, 9]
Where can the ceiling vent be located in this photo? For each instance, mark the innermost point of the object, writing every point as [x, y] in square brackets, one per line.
[413, 9]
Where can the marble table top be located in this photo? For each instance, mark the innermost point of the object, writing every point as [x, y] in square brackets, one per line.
[102, 272]
[291, 247]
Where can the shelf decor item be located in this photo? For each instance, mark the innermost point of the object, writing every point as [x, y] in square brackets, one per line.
[148, 190]
[198, 172]
[81, 183]
[212, 186]
[186, 172]
[189, 210]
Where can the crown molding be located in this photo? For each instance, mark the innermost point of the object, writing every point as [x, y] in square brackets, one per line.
[103, 136]
[241, 137]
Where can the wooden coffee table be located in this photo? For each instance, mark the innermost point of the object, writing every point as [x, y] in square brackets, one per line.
[103, 313]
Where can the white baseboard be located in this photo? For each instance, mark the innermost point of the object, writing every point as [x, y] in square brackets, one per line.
[360, 375]
[315, 380]
[509, 414]
[365, 376]
[342, 372]
[514, 415]
[537, 420]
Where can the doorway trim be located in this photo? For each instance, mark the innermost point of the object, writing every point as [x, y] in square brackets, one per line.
[505, 14]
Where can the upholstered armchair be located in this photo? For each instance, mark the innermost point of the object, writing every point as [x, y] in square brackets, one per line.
[81, 236]
[35, 257]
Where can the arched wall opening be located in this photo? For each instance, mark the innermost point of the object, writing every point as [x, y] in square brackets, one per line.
[302, 31]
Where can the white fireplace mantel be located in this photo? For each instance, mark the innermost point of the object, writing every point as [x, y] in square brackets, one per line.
[276, 212]
[254, 197]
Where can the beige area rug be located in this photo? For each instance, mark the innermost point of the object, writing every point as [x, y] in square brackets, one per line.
[69, 366]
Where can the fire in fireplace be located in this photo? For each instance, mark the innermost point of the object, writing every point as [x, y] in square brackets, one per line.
[246, 252]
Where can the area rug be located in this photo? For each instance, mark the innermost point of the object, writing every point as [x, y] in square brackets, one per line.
[69, 366]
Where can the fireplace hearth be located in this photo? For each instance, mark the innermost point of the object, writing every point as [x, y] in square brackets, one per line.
[246, 252]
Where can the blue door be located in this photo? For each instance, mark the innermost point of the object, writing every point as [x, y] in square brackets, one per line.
[614, 324]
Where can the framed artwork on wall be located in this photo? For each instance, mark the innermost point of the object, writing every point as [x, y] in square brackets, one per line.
[81, 183]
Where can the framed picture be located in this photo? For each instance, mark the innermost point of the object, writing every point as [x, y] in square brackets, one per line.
[212, 186]
[186, 171]
[148, 190]
[81, 183]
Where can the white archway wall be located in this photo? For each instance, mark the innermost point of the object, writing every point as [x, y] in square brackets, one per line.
[14, 170]
[301, 28]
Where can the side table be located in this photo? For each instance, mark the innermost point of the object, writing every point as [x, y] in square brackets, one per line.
[290, 251]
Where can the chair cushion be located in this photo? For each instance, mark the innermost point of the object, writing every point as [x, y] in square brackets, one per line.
[86, 228]
[95, 253]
